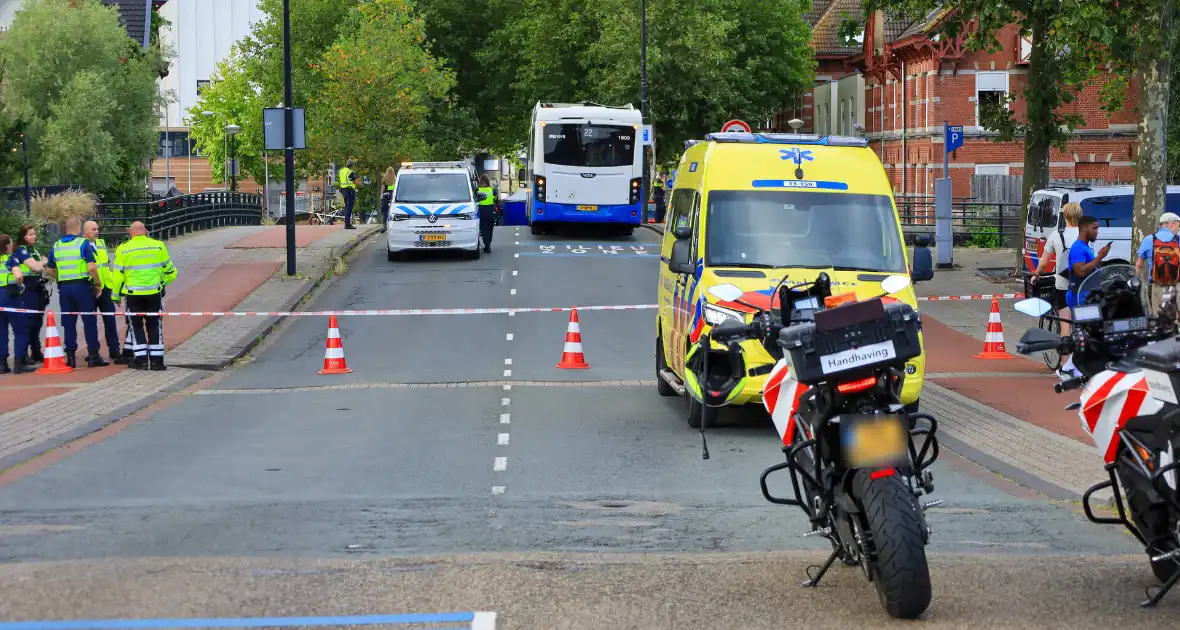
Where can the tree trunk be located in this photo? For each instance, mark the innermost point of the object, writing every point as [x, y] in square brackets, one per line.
[1153, 74]
[1037, 136]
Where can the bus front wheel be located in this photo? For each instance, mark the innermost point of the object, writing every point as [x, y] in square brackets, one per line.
[537, 229]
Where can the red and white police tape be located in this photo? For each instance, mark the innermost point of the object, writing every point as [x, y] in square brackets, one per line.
[439, 311]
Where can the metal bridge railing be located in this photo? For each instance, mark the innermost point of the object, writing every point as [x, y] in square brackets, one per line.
[174, 216]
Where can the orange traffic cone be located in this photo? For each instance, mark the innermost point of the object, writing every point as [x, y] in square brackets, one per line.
[334, 362]
[993, 343]
[55, 357]
[572, 357]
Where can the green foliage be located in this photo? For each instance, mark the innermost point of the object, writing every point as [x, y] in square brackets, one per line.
[80, 87]
[233, 97]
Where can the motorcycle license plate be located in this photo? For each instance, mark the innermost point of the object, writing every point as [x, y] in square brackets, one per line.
[434, 237]
[588, 208]
[873, 441]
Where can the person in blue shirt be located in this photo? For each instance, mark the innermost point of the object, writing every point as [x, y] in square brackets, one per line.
[1169, 226]
[11, 286]
[36, 295]
[72, 263]
[1082, 259]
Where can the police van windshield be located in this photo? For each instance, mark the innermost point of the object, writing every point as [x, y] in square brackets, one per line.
[589, 145]
[802, 229]
[433, 188]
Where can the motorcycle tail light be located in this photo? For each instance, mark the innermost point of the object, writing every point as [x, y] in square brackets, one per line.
[851, 387]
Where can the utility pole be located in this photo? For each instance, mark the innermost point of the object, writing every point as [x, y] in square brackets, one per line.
[289, 136]
[643, 183]
[24, 145]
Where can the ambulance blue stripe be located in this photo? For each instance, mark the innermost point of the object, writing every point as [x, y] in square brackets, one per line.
[793, 183]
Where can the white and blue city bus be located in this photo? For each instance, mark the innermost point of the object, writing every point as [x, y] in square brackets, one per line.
[585, 163]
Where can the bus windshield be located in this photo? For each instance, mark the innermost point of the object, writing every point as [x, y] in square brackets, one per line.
[755, 228]
[589, 145]
[433, 188]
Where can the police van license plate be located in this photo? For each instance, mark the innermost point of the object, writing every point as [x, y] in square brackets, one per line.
[433, 237]
[588, 208]
[873, 441]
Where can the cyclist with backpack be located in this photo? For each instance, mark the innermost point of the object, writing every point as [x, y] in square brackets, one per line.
[1162, 253]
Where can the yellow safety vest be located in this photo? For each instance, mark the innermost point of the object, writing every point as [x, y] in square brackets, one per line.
[103, 262]
[142, 267]
[68, 258]
[35, 255]
[490, 199]
[7, 277]
[344, 180]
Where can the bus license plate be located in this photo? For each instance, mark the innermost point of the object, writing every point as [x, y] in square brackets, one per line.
[588, 208]
[434, 237]
[873, 441]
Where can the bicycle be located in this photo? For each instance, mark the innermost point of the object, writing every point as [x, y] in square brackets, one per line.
[1045, 289]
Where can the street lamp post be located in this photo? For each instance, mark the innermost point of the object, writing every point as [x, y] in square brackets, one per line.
[24, 145]
[232, 131]
[289, 136]
[643, 183]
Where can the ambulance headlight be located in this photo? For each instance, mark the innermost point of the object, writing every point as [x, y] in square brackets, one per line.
[716, 315]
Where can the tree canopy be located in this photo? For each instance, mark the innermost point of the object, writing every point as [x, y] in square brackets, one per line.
[84, 93]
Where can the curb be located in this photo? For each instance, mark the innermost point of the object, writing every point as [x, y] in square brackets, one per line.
[654, 227]
[248, 342]
[38, 449]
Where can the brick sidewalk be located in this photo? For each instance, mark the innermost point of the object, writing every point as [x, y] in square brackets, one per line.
[236, 268]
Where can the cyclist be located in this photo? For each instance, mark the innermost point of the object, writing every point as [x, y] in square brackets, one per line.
[1057, 249]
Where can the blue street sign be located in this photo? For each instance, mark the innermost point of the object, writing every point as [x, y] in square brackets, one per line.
[954, 137]
[647, 135]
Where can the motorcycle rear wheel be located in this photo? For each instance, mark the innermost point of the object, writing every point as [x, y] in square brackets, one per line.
[898, 544]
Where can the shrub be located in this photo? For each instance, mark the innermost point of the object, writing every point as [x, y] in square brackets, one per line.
[59, 207]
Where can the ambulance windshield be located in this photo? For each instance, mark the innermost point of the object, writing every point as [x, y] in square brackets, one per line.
[757, 228]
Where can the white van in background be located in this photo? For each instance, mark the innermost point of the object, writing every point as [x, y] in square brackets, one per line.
[1113, 206]
[434, 207]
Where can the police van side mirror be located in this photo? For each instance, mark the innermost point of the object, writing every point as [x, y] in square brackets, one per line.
[681, 262]
[923, 261]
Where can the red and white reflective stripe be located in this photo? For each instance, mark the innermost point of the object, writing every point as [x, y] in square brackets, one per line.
[371, 312]
[982, 296]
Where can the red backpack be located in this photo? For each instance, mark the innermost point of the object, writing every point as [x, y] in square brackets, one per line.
[1165, 262]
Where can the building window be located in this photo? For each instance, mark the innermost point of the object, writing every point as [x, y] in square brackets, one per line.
[174, 144]
[991, 169]
[201, 85]
[991, 93]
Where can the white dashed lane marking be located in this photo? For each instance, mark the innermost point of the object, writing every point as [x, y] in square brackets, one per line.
[508, 337]
[500, 464]
[502, 439]
[505, 418]
[507, 361]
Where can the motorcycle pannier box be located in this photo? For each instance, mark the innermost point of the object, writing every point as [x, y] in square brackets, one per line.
[1161, 367]
[852, 340]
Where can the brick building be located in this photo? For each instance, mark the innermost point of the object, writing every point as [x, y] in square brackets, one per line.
[913, 79]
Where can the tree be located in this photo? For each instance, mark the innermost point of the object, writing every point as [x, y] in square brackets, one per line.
[708, 60]
[61, 58]
[235, 99]
[1132, 39]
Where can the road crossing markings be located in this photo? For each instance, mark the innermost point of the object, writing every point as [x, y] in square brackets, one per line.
[514, 272]
[508, 337]
[497, 489]
[502, 439]
[512, 292]
[505, 401]
[507, 361]
[507, 373]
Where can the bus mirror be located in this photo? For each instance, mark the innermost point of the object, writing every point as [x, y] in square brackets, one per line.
[682, 232]
[680, 262]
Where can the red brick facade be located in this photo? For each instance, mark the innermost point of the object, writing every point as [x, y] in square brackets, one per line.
[904, 121]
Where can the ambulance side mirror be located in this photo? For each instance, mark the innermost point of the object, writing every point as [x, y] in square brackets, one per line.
[681, 262]
[923, 265]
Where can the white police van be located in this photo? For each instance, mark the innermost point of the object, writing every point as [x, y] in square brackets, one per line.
[434, 206]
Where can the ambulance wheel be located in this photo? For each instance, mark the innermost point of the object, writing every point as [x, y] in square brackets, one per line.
[697, 411]
[662, 386]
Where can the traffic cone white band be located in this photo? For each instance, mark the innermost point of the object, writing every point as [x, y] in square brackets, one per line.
[574, 328]
[993, 337]
[333, 333]
[334, 353]
[572, 346]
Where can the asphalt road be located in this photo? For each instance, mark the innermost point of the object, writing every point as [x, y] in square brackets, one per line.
[458, 436]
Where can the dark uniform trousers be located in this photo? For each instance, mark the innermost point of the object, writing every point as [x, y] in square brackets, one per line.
[349, 201]
[145, 327]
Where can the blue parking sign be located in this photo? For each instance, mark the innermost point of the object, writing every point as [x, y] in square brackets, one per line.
[954, 137]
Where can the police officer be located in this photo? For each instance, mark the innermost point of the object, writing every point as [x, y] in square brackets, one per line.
[487, 212]
[36, 294]
[105, 303]
[71, 261]
[141, 271]
[346, 182]
[657, 195]
[11, 284]
[387, 181]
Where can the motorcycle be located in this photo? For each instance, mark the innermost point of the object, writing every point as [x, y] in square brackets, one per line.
[1129, 362]
[834, 396]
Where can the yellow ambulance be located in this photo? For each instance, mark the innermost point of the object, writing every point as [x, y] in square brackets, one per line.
[751, 208]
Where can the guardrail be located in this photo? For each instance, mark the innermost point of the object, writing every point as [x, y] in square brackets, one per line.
[973, 223]
[174, 216]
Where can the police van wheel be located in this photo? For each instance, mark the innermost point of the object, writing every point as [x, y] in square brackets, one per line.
[474, 254]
